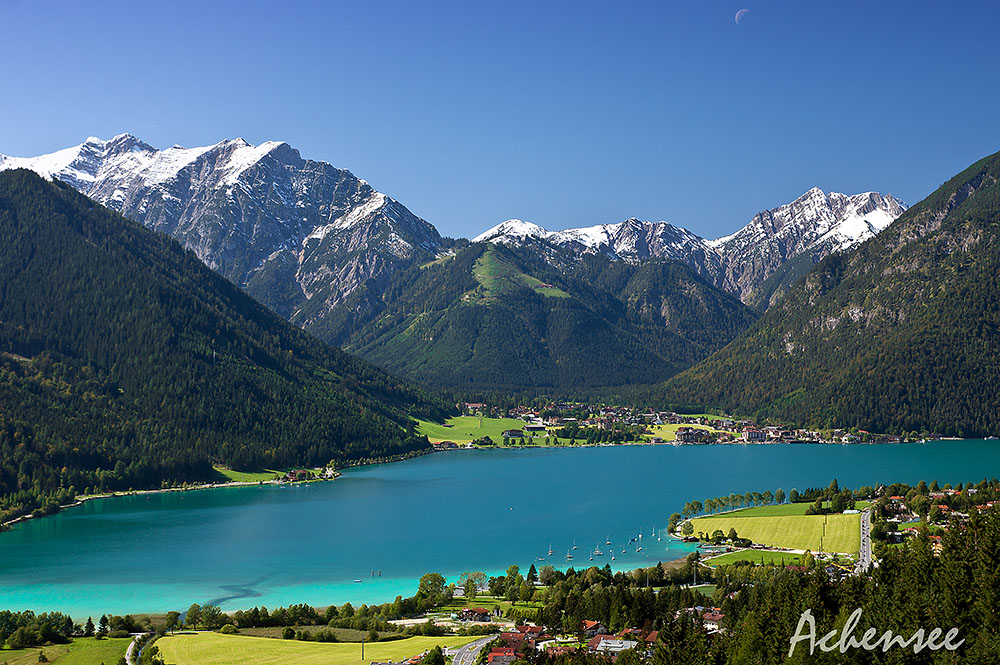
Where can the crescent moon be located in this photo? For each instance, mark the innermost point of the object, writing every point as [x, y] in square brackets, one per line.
[740, 14]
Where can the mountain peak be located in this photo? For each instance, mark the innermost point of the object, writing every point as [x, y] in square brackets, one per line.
[512, 230]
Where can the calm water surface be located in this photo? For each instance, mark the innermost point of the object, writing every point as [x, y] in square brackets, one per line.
[448, 513]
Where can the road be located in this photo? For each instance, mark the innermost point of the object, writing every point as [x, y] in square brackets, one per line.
[467, 654]
[865, 553]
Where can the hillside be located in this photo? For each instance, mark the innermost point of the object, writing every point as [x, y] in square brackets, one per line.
[297, 234]
[493, 317]
[125, 362]
[902, 334]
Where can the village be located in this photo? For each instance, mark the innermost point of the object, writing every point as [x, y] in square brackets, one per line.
[563, 420]
[515, 641]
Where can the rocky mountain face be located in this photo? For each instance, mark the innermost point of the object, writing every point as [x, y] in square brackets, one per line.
[286, 229]
[899, 334]
[807, 229]
[323, 249]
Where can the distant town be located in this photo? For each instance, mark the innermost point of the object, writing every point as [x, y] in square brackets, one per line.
[579, 423]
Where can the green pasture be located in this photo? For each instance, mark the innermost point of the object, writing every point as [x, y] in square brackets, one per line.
[780, 558]
[831, 533]
[207, 648]
[81, 651]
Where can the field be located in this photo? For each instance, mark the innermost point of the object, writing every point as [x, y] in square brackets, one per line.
[485, 602]
[838, 533]
[669, 432]
[215, 649]
[467, 428]
[779, 510]
[246, 476]
[781, 558]
[498, 277]
[81, 651]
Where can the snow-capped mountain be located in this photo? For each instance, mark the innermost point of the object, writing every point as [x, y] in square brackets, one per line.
[286, 229]
[815, 224]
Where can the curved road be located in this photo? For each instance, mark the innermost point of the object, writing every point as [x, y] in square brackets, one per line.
[467, 654]
[865, 553]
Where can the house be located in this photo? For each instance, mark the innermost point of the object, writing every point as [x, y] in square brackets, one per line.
[500, 652]
[561, 650]
[689, 434]
[444, 445]
[615, 646]
[513, 434]
[754, 436]
[651, 637]
[503, 660]
[595, 641]
[712, 620]
[474, 614]
[535, 429]
[512, 639]
[592, 628]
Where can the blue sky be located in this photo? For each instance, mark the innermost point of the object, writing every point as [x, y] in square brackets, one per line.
[566, 114]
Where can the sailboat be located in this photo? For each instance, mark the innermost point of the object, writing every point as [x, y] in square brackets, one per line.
[569, 555]
[551, 551]
[597, 550]
[574, 543]
[607, 539]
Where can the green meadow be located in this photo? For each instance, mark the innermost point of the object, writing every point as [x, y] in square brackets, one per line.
[829, 533]
[206, 648]
[81, 651]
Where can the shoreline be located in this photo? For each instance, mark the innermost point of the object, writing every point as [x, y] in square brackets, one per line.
[466, 445]
[81, 499]
[84, 498]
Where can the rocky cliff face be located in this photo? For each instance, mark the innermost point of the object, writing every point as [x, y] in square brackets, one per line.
[284, 228]
[792, 236]
[815, 224]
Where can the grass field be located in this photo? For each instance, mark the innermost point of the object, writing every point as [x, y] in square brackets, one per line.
[498, 277]
[467, 428]
[707, 590]
[246, 476]
[781, 558]
[81, 651]
[669, 432]
[485, 602]
[343, 634]
[215, 649]
[839, 533]
[776, 510]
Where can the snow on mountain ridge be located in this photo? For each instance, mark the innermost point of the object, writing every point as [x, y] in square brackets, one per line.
[284, 228]
[739, 262]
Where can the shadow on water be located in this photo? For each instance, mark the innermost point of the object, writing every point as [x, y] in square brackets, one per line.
[238, 591]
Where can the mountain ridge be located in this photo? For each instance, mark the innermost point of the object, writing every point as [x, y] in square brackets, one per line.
[900, 334]
[816, 223]
[126, 362]
[280, 226]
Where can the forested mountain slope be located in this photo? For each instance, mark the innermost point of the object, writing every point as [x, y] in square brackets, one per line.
[494, 317]
[126, 362]
[901, 334]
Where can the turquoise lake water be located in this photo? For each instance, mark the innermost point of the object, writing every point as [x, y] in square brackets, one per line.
[449, 512]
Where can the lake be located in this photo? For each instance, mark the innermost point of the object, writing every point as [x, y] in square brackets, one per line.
[447, 512]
